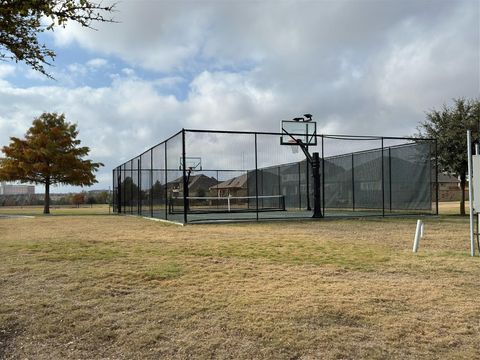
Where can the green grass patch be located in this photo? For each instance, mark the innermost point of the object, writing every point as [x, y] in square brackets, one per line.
[165, 271]
[346, 256]
[73, 251]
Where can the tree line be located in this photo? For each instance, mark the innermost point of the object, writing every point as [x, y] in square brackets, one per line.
[76, 199]
[51, 154]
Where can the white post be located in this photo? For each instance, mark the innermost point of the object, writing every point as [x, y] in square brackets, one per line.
[418, 234]
[228, 201]
[477, 152]
[478, 232]
[470, 192]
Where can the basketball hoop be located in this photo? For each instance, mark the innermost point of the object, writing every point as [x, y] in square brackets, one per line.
[294, 147]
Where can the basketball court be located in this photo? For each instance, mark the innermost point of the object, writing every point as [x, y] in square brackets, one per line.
[210, 175]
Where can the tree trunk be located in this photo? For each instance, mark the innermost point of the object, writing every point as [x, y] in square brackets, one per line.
[46, 208]
[463, 182]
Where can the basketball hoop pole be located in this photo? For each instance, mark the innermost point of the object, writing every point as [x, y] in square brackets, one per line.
[314, 161]
[309, 208]
[317, 210]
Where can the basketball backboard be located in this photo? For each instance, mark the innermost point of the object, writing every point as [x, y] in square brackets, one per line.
[296, 132]
[191, 163]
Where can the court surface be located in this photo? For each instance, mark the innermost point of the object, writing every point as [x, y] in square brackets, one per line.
[277, 215]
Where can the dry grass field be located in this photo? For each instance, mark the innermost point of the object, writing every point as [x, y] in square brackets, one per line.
[114, 287]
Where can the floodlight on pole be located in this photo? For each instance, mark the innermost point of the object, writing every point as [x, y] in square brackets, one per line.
[308, 117]
[298, 119]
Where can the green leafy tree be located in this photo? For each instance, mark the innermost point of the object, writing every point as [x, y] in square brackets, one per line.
[50, 154]
[449, 126]
[21, 21]
[158, 191]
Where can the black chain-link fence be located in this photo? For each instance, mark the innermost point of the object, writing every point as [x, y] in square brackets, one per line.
[250, 176]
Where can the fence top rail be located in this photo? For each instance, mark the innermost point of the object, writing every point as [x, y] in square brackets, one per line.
[338, 136]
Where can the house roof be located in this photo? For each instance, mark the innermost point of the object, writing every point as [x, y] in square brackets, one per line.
[239, 182]
[202, 182]
[195, 180]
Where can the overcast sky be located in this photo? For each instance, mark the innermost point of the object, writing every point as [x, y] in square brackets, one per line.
[360, 67]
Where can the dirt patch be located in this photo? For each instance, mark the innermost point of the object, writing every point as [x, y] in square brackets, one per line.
[3, 216]
[9, 331]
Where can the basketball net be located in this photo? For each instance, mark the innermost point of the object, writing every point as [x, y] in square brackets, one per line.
[294, 146]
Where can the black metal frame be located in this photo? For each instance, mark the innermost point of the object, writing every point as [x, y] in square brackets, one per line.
[122, 206]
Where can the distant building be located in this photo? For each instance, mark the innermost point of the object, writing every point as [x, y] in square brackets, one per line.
[197, 186]
[449, 188]
[16, 189]
[236, 186]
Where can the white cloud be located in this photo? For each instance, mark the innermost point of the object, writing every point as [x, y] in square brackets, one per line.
[97, 63]
[6, 70]
[128, 72]
[77, 69]
[360, 67]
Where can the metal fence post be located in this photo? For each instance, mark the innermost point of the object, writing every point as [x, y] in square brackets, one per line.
[323, 177]
[436, 177]
[131, 187]
[383, 184]
[166, 180]
[119, 189]
[139, 189]
[122, 187]
[112, 200]
[185, 183]
[390, 177]
[353, 183]
[256, 176]
[151, 183]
